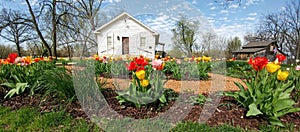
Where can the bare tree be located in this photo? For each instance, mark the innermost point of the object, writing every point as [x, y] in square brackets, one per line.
[86, 12]
[283, 27]
[17, 30]
[35, 23]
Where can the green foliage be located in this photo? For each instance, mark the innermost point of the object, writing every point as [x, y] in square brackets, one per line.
[55, 81]
[62, 61]
[184, 36]
[170, 94]
[29, 119]
[117, 69]
[140, 97]
[199, 100]
[294, 77]
[102, 68]
[171, 67]
[42, 77]
[234, 44]
[22, 79]
[15, 88]
[239, 69]
[272, 128]
[266, 96]
[187, 70]
[203, 69]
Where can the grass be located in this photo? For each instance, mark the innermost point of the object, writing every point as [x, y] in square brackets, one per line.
[29, 119]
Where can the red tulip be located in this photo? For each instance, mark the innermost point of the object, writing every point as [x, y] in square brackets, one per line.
[141, 61]
[132, 66]
[12, 57]
[280, 57]
[258, 63]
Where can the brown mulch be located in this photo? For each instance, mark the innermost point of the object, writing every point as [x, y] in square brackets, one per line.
[227, 111]
[214, 83]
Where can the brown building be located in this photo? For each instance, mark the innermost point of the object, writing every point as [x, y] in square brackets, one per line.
[268, 49]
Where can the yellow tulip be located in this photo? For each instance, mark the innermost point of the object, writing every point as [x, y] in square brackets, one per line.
[271, 67]
[140, 74]
[144, 83]
[282, 75]
[206, 59]
[186, 59]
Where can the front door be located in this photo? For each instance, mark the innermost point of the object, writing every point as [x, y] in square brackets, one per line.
[125, 45]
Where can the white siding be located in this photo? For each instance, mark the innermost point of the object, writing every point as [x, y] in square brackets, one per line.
[131, 29]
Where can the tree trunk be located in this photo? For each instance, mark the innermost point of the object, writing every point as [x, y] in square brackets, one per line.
[54, 26]
[44, 42]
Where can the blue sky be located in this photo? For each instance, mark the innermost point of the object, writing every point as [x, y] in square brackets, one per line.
[161, 15]
[233, 20]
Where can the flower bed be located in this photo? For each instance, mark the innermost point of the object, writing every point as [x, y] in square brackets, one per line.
[270, 87]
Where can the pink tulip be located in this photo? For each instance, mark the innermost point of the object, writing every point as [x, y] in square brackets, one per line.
[156, 63]
[298, 67]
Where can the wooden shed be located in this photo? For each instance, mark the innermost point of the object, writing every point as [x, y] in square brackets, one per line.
[268, 49]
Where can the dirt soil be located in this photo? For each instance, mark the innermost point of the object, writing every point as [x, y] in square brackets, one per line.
[215, 83]
[226, 112]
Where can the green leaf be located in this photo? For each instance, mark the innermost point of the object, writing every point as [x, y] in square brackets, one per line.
[10, 93]
[291, 110]
[275, 121]
[283, 104]
[19, 88]
[146, 100]
[162, 99]
[241, 87]
[253, 111]
[10, 85]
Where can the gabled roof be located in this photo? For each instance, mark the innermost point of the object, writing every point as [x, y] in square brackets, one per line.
[258, 44]
[127, 16]
[248, 50]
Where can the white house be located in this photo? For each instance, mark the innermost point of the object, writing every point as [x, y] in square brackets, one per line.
[125, 35]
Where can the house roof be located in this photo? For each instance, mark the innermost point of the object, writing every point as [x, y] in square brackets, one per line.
[258, 44]
[248, 50]
[127, 16]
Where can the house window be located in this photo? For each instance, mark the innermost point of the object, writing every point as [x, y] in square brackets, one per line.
[143, 42]
[109, 41]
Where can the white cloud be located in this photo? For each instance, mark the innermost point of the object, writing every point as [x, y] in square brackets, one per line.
[210, 4]
[187, 6]
[252, 14]
[212, 8]
[251, 2]
[111, 1]
[250, 18]
[224, 12]
[194, 2]
[223, 19]
[34, 2]
[282, 8]
[211, 21]
[235, 29]
[233, 6]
